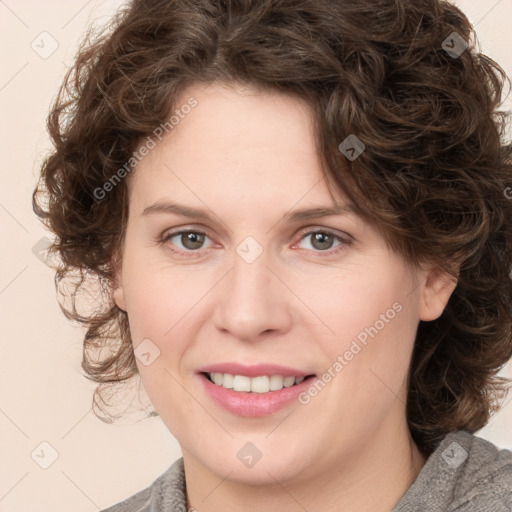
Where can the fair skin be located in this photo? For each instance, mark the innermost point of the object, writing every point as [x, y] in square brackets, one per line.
[249, 158]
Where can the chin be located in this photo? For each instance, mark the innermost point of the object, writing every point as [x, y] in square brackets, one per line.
[263, 471]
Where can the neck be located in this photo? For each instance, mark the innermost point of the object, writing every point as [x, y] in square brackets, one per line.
[373, 478]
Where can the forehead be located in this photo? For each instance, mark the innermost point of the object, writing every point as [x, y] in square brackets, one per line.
[243, 129]
[237, 141]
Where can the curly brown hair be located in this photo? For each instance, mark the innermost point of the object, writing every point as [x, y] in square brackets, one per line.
[433, 177]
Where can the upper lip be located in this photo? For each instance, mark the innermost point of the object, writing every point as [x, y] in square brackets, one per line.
[253, 370]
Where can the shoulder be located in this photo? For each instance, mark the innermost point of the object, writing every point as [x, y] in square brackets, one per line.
[167, 493]
[484, 481]
[465, 473]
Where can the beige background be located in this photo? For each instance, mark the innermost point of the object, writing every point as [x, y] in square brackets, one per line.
[43, 395]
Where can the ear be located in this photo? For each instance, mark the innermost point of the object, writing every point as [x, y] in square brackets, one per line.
[436, 292]
[118, 289]
[118, 296]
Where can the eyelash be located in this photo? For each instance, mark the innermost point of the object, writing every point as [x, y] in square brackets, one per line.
[193, 253]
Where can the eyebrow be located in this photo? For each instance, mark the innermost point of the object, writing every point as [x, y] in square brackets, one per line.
[293, 216]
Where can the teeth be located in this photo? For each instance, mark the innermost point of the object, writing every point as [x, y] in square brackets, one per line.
[262, 384]
[240, 383]
[227, 380]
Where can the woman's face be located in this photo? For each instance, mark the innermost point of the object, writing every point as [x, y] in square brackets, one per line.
[320, 296]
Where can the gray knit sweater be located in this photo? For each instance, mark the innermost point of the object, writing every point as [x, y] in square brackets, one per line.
[464, 474]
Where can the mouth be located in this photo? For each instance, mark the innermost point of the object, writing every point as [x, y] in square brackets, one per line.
[258, 396]
[255, 390]
[261, 384]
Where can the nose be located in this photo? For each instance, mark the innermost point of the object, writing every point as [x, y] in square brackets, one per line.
[252, 301]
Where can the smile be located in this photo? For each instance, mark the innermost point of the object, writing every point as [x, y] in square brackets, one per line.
[259, 384]
[253, 396]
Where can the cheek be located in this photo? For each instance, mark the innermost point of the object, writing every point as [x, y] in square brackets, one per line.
[352, 303]
[158, 304]
[374, 321]
[157, 297]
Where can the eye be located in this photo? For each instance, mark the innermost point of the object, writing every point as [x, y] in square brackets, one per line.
[322, 241]
[191, 240]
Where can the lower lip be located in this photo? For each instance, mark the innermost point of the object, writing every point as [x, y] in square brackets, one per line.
[253, 404]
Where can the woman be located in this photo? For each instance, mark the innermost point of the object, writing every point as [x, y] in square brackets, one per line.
[297, 211]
